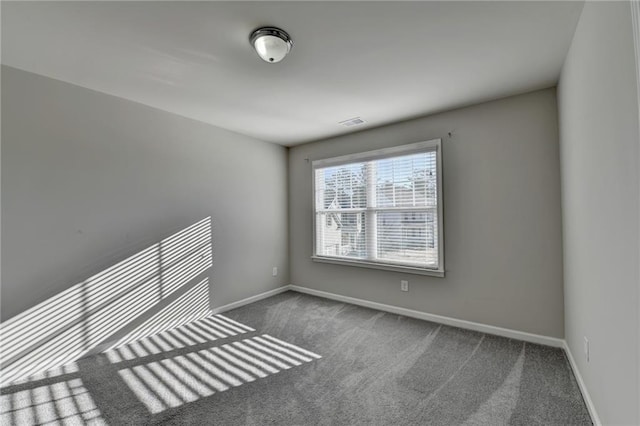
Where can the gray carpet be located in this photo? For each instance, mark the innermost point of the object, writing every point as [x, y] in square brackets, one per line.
[295, 359]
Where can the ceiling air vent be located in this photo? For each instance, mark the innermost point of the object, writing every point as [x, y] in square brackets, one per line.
[352, 122]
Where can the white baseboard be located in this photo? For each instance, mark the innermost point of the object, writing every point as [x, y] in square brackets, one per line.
[239, 303]
[583, 388]
[469, 325]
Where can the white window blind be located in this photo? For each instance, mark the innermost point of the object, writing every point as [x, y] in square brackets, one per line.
[381, 208]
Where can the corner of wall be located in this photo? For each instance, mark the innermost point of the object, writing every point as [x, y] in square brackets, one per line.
[635, 16]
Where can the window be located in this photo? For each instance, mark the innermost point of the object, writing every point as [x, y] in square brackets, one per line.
[384, 207]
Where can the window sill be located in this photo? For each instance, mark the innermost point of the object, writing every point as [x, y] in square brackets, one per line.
[383, 266]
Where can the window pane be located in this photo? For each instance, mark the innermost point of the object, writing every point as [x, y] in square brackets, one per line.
[408, 237]
[341, 234]
[341, 187]
[407, 181]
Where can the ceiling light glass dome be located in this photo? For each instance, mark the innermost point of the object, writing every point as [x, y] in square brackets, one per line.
[272, 44]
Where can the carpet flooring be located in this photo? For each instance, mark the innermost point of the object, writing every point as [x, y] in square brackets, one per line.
[294, 359]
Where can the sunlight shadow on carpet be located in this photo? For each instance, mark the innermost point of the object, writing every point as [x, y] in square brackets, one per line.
[66, 402]
[175, 381]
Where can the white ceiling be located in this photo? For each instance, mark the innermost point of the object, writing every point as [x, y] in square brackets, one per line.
[382, 61]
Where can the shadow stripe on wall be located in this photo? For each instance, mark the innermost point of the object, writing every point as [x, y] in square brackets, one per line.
[69, 325]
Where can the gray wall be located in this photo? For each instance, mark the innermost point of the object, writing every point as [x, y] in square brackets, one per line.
[502, 217]
[89, 179]
[600, 185]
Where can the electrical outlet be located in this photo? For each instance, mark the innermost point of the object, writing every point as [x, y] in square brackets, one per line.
[404, 285]
[586, 349]
[275, 271]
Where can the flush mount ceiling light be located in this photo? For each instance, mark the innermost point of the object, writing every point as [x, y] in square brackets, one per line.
[272, 44]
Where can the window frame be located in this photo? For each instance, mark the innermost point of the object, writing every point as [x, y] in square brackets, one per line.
[413, 148]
